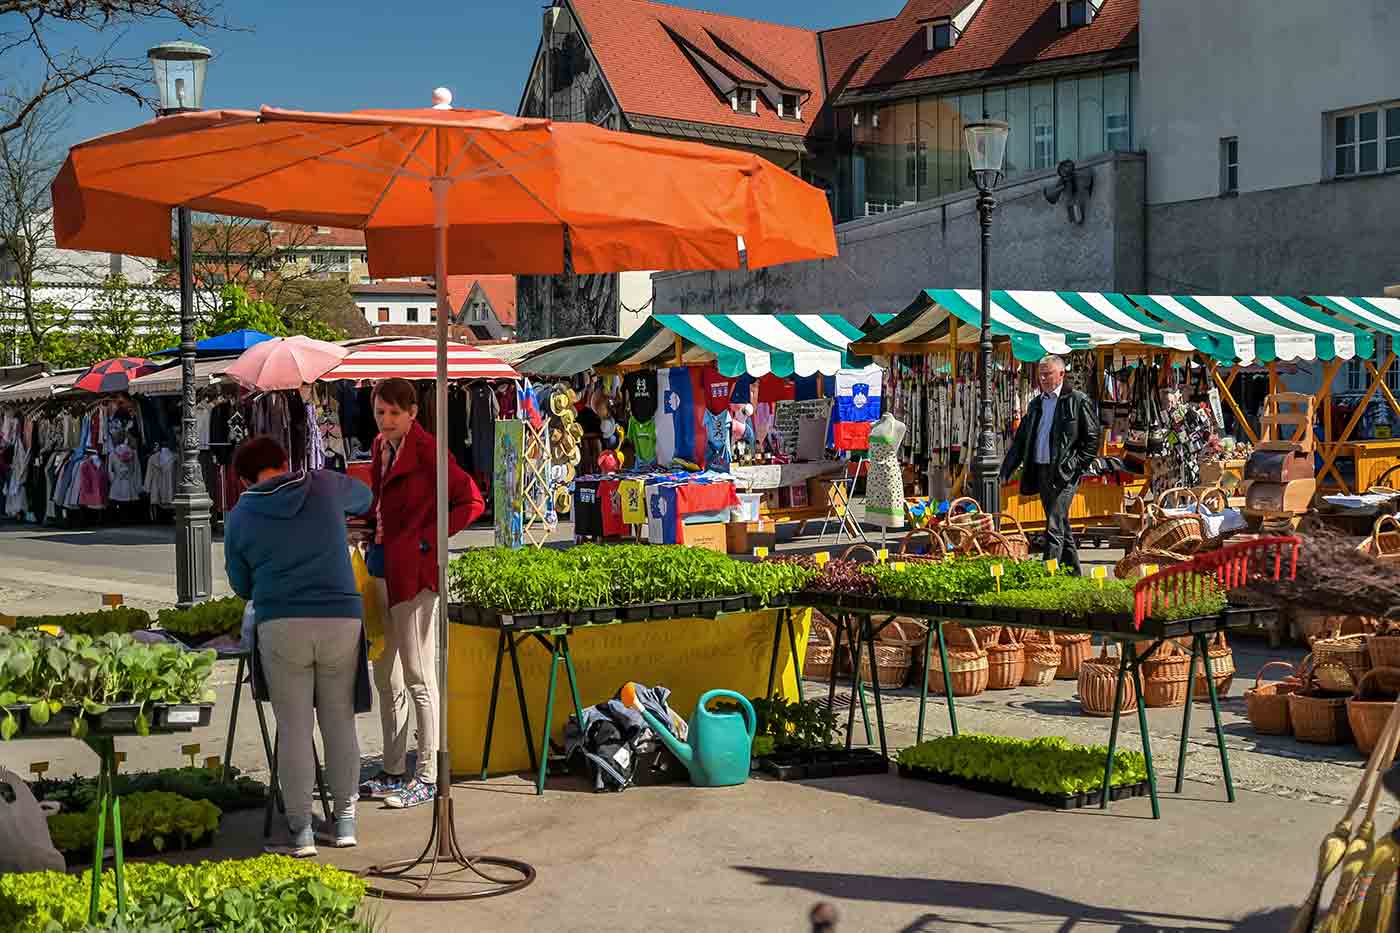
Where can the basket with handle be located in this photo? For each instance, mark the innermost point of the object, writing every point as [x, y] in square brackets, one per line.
[1369, 708]
[1384, 542]
[1075, 649]
[821, 650]
[957, 635]
[937, 547]
[1319, 717]
[1015, 536]
[894, 653]
[1134, 517]
[964, 540]
[1042, 660]
[1098, 679]
[967, 670]
[1179, 497]
[1182, 534]
[1266, 705]
[973, 518]
[1006, 661]
[1346, 658]
[1222, 665]
[1130, 566]
[1382, 650]
[1166, 676]
[995, 544]
[852, 552]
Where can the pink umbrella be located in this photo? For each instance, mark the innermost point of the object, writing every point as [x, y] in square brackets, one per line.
[285, 363]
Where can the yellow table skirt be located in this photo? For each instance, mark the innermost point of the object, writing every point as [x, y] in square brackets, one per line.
[1094, 504]
[690, 656]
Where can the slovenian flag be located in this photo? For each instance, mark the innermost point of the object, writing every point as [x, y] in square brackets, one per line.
[680, 420]
[857, 407]
[663, 515]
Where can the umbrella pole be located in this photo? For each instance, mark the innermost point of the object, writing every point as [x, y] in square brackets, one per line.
[442, 860]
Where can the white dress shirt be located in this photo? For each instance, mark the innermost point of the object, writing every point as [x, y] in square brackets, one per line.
[1048, 401]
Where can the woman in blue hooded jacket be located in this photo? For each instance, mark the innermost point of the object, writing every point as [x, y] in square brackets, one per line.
[285, 549]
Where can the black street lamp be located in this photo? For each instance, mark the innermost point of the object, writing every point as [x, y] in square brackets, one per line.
[179, 69]
[985, 141]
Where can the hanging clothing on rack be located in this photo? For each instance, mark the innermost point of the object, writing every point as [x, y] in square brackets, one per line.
[160, 477]
[124, 475]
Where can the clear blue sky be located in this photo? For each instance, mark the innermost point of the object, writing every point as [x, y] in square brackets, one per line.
[355, 54]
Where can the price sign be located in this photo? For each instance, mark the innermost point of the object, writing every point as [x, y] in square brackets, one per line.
[1052, 566]
[760, 552]
[1149, 569]
[882, 555]
[112, 600]
[1100, 574]
[899, 565]
[997, 570]
[38, 767]
[190, 751]
[821, 557]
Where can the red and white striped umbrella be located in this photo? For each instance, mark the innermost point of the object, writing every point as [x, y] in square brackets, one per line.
[417, 359]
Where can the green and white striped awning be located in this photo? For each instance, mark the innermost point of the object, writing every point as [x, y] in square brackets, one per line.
[756, 344]
[1037, 323]
[1378, 314]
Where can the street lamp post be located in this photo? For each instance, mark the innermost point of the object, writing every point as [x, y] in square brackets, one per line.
[179, 69]
[986, 150]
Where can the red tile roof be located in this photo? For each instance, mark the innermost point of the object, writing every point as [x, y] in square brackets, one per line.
[1003, 32]
[499, 290]
[310, 237]
[845, 48]
[651, 75]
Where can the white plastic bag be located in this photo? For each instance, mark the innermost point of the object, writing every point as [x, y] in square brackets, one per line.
[24, 829]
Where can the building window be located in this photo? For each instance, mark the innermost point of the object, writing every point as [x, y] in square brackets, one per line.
[1366, 141]
[743, 100]
[941, 34]
[413, 315]
[1230, 165]
[791, 107]
[384, 315]
[1078, 12]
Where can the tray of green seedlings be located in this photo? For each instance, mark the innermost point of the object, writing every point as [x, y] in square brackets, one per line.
[1098, 605]
[216, 619]
[541, 588]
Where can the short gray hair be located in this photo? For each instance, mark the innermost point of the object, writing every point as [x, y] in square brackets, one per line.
[1054, 360]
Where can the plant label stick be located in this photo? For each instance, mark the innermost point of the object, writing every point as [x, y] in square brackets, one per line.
[191, 751]
[37, 768]
[1100, 573]
[882, 555]
[1149, 569]
[996, 575]
[760, 552]
[899, 565]
[112, 600]
[1052, 566]
[821, 557]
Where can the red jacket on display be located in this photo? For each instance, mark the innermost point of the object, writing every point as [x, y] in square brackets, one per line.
[405, 500]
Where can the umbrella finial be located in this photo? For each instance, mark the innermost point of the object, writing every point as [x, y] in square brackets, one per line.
[442, 99]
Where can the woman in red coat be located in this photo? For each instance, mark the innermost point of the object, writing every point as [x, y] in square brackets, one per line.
[404, 558]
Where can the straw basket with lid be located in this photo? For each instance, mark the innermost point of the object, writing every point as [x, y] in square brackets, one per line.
[968, 669]
[1006, 661]
[1222, 666]
[1098, 680]
[1370, 706]
[1166, 676]
[1266, 705]
[1042, 659]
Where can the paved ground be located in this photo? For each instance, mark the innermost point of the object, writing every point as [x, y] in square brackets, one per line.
[893, 854]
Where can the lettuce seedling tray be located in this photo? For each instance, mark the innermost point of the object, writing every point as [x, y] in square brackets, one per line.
[1059, 801]
[484, 617]
[812, 764]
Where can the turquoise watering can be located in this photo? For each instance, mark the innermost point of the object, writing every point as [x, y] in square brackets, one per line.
[720, 743]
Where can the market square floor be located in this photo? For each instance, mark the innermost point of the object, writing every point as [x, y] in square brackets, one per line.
[891, 854]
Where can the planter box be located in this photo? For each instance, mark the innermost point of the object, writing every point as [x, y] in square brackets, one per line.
[119, 719]
[823, 763]
[1059, 801]
[182, 716]
[141, 848]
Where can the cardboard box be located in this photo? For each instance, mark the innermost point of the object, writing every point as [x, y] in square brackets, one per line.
[711, 536]
[743, 537]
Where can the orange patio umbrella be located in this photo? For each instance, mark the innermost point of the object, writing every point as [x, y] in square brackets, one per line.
[440, 191]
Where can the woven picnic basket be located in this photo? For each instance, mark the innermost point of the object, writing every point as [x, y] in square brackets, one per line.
[975, 520]
[894, 653]
[1006, 661]
[1370, 706]
[967, 670]
[1222, 665]
[1384, 542]
[1182, 534]
[1266, 705]
[1166, 676]
[1016, 538]
[1042, 659]
[821, 650]
[958, 635]
[1319, 717]
[1346, 661]
[937, 547]
[995, 544]
[1098, 679]
[1130, 566]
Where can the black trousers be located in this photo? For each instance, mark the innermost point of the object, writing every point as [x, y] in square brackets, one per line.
[1059, 537]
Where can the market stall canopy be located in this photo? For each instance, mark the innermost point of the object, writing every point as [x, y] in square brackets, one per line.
[166, 380]
[417, 359]
[285, 363]
[40, 387]
[738, 344]
[1377, 314]
[234, 342]
[1037, 323]
[558, 356]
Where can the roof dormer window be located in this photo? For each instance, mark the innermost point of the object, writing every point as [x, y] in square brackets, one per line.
[790, 107]
[743, 100]
[1075, 13]
[940, 33]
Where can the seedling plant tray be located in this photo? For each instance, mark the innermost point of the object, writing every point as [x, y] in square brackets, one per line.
[818, 763]
[182, 717]
[606, 615]
[1059, 801]
[142, 848]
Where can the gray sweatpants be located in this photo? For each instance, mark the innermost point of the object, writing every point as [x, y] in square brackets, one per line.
[406, 674]
[306, 662]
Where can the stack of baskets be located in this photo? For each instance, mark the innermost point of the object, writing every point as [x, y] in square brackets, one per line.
[968, 667]
[895, 649]
[1006, 661]
[1098, 680]
[1166, 676]
[1369, 707]
[1267, 704]
[1042, 658]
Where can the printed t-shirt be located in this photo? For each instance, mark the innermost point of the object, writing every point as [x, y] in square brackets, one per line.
[718, 448]
[717, 389]
[773, 389]
[610, 501]
[643, 438]
[588, 510]
[640, 389]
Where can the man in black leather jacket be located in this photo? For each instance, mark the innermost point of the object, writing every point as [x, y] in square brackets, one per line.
[1055, 454]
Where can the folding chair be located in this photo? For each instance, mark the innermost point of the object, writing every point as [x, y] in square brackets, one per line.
[840, 493]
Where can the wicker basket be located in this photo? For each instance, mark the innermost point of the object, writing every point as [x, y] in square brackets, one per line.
[975, 520]
[1042, 660]
[1267, 704]
[1179, 497]
[1182, 534]
[1370, 707]
[967, 670]
[1222, 665]
[821, 651]
[1134, 518]
[1130, 567]
[1075, 649]
[1342, 661]
[1098, 679]
[1383, 650]
[937, 547]
[995, 544]
[962, 540]
[1166, 676]
[1006, 662]
[894, 655]
[1016, 537]
[1318, 718]
[960, 636]
[1384, 543]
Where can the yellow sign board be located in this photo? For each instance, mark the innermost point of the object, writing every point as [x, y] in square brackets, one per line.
[821, 557]
[1149, 569]
[1100, 573]
[882, 555]
[760, 552]
[1052, 566]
